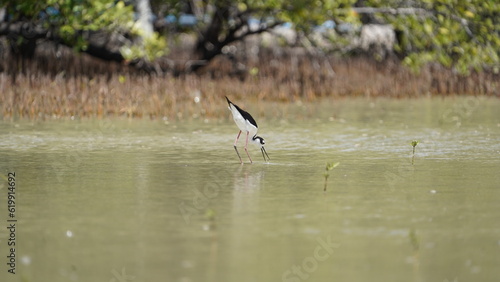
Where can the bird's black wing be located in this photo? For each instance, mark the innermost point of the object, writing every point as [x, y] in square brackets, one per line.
[247, 116]
[244, 113]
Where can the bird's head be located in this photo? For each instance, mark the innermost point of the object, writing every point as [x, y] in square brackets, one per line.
[259, 141]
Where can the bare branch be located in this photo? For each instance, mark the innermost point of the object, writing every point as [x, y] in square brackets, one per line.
[261, 29]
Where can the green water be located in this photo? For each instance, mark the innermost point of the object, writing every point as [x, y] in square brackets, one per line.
[139, 200]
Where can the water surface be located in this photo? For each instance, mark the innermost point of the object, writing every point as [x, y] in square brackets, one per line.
[140, 200]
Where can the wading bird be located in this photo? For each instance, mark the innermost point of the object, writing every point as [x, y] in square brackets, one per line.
[246, 123]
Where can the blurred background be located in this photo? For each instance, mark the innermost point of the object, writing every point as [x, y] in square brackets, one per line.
[277, 50]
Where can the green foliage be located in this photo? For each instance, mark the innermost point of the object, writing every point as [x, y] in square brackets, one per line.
[461, 34]
[151, 48]
[329, 166]
[464, 35]
[72, 19]
[414, 144]
[414, 241]
[305, 14]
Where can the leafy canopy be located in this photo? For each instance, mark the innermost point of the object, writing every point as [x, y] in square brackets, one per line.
[462, 34]
[72, 19]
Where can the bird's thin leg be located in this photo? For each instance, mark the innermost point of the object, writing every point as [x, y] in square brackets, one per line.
[235, 148]
[246, 144]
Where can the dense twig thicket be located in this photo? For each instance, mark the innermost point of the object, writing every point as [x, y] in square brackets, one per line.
[58, 83]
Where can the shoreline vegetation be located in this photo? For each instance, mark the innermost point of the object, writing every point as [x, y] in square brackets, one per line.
[59, 84]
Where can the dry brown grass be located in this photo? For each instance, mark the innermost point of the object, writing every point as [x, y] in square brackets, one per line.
[89, 88]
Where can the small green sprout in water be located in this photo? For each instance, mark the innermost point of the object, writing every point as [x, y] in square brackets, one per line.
[414, 240]
[329, 166]
[210, 215]
[414, 144]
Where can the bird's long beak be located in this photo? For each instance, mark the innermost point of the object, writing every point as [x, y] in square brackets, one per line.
[264, 151]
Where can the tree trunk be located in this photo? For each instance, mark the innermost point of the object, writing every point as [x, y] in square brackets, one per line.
[208, 44]
[145, 20]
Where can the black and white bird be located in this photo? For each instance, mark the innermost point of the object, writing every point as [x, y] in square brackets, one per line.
[246, 123]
